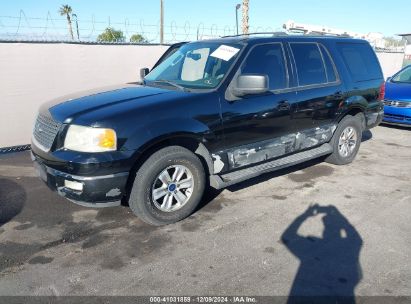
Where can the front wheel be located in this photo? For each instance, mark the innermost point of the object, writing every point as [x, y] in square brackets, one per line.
[346, 140]
[168, 186]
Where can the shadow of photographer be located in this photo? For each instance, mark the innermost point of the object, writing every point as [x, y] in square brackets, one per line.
[329, 265]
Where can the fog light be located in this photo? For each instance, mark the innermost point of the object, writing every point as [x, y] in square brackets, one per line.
[73, 185]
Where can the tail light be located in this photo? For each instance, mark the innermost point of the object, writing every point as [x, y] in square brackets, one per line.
[381, 95]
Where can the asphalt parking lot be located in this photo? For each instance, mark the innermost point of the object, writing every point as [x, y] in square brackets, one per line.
[258, 238]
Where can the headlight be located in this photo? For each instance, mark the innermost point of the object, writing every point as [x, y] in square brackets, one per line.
[87, 139]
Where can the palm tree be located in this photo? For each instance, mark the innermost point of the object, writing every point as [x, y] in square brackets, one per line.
[245, 16]
[65, 10]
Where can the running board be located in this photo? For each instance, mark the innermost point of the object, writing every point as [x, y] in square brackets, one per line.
[225, 180]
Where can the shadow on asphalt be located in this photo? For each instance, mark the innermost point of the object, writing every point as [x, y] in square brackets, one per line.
[12, 200]
[329, 267]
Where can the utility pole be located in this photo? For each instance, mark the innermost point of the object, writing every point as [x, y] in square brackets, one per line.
[237, 7]
[245, 16]
[161, 22]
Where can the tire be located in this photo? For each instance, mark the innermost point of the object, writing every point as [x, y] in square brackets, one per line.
[339, 157]
[179, 201]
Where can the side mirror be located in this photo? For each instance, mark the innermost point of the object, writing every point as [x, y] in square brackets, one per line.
[144, 72]
[250, 84]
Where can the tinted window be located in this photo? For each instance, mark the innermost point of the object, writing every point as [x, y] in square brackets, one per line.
[329, 67]
[267, 59]
[309, 63]
[361, 61]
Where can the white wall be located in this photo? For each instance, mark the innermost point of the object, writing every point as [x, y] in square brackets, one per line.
[390, 63]
[32, 73]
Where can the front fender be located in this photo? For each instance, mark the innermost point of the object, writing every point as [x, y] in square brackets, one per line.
[159, 130]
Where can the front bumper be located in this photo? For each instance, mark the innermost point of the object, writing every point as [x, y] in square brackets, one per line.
[397, 116]
[96, 191]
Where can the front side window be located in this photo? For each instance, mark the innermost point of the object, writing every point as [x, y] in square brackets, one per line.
[403, 76]
[309, 64]
[198, 65]
[268, 59]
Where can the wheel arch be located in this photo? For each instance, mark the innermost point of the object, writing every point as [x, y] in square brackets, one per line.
[356, 111]
[354, 106]
[189, 141]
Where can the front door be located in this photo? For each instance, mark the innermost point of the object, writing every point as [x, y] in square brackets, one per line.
[256, 126]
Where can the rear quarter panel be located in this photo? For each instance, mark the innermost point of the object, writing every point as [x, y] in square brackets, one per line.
[362, 95]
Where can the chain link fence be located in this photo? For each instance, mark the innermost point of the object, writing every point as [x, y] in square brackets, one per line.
[49, 28]
[13, 149]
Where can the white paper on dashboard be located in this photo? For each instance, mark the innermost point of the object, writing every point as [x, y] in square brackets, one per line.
[225, 52]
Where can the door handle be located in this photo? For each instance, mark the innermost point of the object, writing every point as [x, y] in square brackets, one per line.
[283, 106]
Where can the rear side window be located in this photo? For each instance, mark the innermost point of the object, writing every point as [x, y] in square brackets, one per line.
[268, 59]
[309, 64]
[361, 61]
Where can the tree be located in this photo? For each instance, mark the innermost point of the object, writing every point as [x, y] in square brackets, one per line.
[245, 24]
[111, 35]
[65, 10]
[391, 42]
[137, 38]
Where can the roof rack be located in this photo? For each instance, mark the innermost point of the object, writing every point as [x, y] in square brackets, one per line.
[279, 34]
[257, 33]
[327, 34]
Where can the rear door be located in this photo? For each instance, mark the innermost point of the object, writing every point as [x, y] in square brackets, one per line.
[319, 89]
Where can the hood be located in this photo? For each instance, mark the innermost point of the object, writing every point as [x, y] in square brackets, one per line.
[67, 108]
[398, 91]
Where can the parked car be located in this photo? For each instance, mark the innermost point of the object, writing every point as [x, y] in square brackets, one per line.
[397, 103]
[212, 113]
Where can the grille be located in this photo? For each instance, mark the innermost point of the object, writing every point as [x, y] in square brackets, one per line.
[45, 131]
[397, 104]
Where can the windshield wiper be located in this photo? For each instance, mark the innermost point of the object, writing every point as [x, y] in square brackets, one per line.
[172, 84]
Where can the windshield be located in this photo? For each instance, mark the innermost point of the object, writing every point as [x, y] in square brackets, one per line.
[403, 76]
[198, 65]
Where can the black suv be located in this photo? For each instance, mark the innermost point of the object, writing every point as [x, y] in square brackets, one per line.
[213, 112]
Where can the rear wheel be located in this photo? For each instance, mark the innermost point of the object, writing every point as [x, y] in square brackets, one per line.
[168, 186]
[346, 140]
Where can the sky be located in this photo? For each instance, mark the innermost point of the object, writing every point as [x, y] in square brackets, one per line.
[182, 16]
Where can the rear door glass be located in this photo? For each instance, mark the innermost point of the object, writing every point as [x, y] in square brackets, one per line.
[360, 60]
[309, 64]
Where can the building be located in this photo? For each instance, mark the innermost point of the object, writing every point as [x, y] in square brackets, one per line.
[407, 52]
[375, 39]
